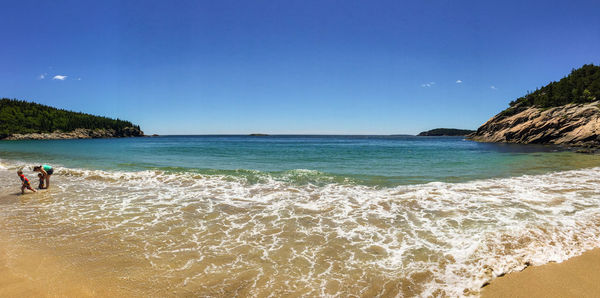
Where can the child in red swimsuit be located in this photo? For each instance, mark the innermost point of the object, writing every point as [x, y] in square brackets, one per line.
[25, 181]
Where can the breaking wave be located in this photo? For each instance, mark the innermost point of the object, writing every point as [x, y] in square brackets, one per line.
[262, 234]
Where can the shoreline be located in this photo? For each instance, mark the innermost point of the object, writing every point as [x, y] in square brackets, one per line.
[576, 148]
[574, 277]
[31, 271]
[78, 133]
[99, 244]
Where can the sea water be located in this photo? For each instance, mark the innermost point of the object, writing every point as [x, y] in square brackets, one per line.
[302, 215]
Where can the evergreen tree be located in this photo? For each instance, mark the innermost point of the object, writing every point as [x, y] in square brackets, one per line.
[19, 116]
[582, 85]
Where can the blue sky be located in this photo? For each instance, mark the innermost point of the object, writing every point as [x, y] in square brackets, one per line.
[362, 67]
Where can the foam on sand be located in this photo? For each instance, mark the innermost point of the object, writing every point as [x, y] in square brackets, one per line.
[222, 235]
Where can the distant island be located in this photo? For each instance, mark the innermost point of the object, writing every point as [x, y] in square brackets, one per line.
[566, 112]
[23, 120]
[258, 135]
[446, 132]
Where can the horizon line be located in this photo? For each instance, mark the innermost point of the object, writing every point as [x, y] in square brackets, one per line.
[282, 134]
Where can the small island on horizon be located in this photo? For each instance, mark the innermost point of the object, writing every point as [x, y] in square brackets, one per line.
[445, 132]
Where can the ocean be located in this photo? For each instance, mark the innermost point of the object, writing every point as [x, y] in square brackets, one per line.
[334, 216]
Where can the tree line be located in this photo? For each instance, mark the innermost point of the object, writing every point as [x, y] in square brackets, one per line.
[19, 116]
[582, 85]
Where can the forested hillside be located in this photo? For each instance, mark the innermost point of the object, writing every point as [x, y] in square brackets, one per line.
[582, 85]
[564, 112]
[21, 117]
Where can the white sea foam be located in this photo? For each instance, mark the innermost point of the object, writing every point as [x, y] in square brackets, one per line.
[438, 238]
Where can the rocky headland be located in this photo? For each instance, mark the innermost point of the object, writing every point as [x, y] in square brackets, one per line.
[565, 113]
[79, 133]
[571, 125]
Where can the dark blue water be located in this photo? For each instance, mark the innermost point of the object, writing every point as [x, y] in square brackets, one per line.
[372, 160]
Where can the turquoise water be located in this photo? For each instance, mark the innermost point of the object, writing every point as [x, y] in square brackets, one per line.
[370, 160]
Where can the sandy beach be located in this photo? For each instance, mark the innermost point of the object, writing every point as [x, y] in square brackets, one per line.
[32, 273]
[575, 277]
[35, 271]
[157, 233]
[27, 271]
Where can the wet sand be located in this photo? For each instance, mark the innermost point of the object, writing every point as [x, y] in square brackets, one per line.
[31, 273]
[126, 234]
[575, 277]
[35, 272]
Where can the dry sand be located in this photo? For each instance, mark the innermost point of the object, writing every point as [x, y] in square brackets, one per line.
[575, 277]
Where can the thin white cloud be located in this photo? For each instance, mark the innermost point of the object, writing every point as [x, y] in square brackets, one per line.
[427, 85]
[458, 81]
[493, 87]
[59, 77]
[42, 76]
[79, 79]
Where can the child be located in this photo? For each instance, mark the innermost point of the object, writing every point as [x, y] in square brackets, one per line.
[41, 185]
[25, 181]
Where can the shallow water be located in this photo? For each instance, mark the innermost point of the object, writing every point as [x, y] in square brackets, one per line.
[367, 160]
[307, 232]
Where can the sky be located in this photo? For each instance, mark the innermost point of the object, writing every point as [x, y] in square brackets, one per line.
[291, 67]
